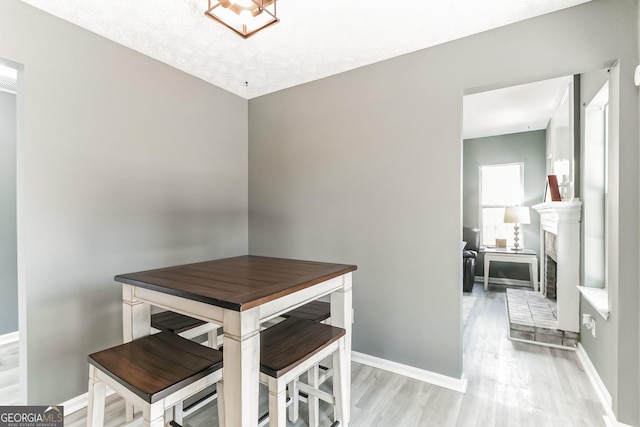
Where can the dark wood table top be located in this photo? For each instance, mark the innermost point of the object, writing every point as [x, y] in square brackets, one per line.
[237, 283]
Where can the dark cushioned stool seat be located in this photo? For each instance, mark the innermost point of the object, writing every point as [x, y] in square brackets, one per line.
[174, 322]
[157, 365]
[295, 346]
[318, 311]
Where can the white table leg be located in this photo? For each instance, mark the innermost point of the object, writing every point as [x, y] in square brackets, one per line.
[341, 316]
[136, 316]
[241, 347]
[533, 272]
[340, 385]
[487, 261]
[136, 323]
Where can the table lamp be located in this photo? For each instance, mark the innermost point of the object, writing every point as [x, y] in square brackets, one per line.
[516, 215]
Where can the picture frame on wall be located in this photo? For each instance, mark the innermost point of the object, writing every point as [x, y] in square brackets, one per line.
[552, 190]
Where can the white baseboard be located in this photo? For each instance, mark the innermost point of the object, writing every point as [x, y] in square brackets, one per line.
[78, 403]
[608, 422]
[460, 385]
[75, 404]
[601, 390]
[9, 338]
[455, 384]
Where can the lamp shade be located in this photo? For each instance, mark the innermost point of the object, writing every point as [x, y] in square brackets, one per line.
[517, 215]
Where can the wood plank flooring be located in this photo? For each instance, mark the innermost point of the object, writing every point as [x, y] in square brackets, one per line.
[520, 384]
[510, 384]
[9, 375]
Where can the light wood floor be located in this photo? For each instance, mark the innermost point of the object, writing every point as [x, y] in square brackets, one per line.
[9, 375]
[510, 384]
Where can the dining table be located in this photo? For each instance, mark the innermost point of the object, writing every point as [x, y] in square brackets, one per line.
[239, 294]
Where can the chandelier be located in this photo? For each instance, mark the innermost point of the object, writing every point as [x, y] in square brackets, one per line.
[244, 17]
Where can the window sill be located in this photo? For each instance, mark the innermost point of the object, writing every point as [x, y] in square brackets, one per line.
[598, 298]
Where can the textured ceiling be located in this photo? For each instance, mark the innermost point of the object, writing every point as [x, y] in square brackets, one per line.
[314, 39]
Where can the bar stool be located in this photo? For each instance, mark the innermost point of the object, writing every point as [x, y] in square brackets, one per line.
[185, 326]
[192, 329]
[154, 373]
[318, 311]
[293, 347]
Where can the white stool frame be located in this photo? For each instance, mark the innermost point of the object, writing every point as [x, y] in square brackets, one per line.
[153, 414]
[278, 386]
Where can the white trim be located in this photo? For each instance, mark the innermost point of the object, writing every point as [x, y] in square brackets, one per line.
[455, 384]
[502, 281]
[9, 338]
[601, 390]
[608, 422]
[78, 403]
[541, 343]
[598, 298]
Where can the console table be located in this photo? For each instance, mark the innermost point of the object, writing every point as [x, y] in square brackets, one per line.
[526, 256]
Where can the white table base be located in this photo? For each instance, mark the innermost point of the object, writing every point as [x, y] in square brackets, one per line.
[530, 259]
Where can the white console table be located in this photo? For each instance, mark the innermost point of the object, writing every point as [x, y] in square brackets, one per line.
[526, 256]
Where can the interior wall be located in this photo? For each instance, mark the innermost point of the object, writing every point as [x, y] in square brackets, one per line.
[638, 159]
[602, 350]
[365, 167]
[526, 147]
[8, 242]
[124, 164]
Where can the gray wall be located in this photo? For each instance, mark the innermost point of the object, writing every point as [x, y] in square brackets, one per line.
[613, 353]
[8, 243]
[526, 147]
[124, 164]
[365, 167]
[601, 350]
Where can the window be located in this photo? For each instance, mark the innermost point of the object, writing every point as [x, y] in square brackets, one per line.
[595, 191]
[500, 186]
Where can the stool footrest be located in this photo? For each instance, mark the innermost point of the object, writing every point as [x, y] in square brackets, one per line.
[264, 418]
[322, 395]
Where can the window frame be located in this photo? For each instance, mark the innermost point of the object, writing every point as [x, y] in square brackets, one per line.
[481, 206]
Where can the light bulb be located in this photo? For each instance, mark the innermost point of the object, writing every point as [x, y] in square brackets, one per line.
[245, 16]
[245, 4]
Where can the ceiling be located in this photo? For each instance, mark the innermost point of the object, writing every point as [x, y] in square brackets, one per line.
[313, 39]
[522, 108]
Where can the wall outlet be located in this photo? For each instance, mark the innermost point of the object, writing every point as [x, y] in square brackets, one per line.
[590, 323]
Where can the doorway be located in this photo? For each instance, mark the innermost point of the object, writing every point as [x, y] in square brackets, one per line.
[507, 132]
[519, 134]
[9, 323]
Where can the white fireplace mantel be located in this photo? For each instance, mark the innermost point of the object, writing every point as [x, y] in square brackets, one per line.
[563, 220]
[553, 213]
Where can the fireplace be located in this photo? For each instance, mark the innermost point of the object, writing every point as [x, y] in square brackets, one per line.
[550, 266]
[550, 277]
[560, 259]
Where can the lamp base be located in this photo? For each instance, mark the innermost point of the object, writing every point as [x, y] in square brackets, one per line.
[516, 238]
